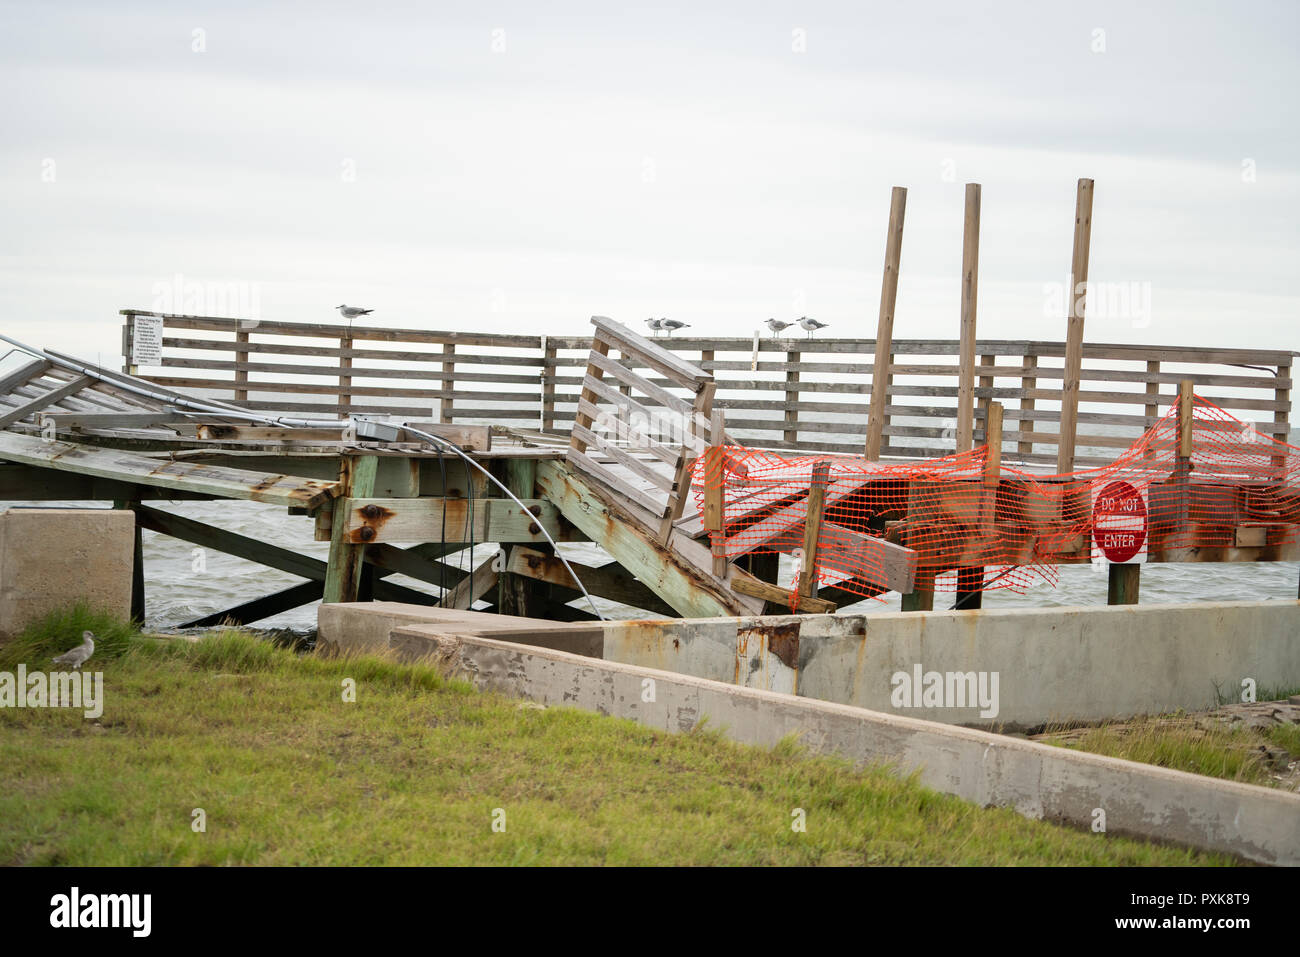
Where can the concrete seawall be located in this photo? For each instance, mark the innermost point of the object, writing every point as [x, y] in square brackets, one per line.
[1051, 665]
[1038, 781]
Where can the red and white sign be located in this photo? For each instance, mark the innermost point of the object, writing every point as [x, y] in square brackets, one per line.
[1119, 520]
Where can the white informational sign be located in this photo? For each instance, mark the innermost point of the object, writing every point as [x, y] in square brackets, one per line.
[1119, 521]
[146, 341]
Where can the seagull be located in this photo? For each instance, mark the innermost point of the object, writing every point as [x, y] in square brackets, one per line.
[654, 325]
[812, 325]
[776, 325]
[80, 654]
[353, 312]
[671, 324]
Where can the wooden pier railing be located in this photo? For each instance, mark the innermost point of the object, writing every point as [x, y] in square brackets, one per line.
[803, 394]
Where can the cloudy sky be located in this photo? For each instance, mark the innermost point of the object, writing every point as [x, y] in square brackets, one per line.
[521, 166]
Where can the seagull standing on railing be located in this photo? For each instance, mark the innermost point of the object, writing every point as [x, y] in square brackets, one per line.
[654, 325]
[353, 312]
[79, 655]
[812, 325]
[671, 324]
[776, 325]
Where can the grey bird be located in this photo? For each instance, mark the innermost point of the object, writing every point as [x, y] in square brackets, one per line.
[776, 325]
[654, 325]
[671, 324]
[353, 312]
[812, 325]
[79, 655]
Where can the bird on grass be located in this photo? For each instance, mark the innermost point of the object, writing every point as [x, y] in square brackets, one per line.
[79, 655]
[776, 325]
[812, 325]
[671, 324]
[654, 325]
[353, 312]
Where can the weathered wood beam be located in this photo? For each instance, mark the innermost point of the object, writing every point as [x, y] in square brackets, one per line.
[610, 581]
[1076, 302]
[880, 375]
[812, 528]
[253, 550]
[970, 276]
[282, 490]
[295, 596]
[366, 520]
[669, 571]
[474, 585]
[745, 584]
[516, 593]
[343, 577]
[32, 484]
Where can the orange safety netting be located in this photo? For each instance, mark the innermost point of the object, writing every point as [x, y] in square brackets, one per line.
[1008, 527]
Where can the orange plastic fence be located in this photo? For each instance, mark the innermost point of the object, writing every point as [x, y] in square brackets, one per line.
[1239, 487]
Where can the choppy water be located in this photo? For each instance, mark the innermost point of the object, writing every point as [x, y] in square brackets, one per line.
[179, 588]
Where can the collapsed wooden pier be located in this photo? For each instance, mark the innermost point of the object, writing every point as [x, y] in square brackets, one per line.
[694, 463]
[631, 476]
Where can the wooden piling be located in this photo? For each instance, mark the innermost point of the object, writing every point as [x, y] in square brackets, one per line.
[970, 268]
[1076, 302]
[1123, 584]
[884, 358]
[343, 575]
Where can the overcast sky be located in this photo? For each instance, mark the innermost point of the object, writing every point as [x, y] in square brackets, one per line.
[521, 166]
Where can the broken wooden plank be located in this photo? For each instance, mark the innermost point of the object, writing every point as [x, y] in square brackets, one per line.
[220, 482]
[473, 586]
[615, 483]
[681, 582]
[651, 353]
[746, 584]
[44, 400]
[610, 581]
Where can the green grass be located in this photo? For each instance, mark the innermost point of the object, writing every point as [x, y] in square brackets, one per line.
[288, 773]
[1179, 742]
[61, 630]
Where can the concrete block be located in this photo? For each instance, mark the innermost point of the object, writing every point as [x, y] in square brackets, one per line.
[53, 557]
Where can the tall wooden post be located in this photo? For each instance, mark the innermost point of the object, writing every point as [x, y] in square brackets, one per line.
[970, 274]
[1076, 301]
[880, 373]
[343, 574]
[714, 512]
[448, 384]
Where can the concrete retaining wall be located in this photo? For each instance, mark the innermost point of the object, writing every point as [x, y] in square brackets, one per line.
[1045, 665]
[1039, 781]
[52, 557]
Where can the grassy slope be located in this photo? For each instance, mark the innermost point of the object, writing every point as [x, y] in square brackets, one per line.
[410, 774]
[1181, 743]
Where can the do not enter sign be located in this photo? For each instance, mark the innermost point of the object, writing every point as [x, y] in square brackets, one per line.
[1119, 521]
